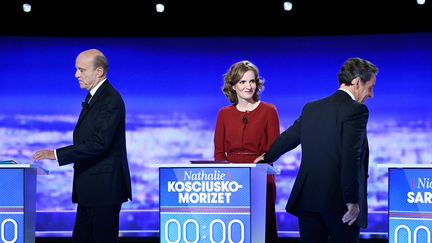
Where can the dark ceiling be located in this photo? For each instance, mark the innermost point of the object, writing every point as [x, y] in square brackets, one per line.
[214, 18]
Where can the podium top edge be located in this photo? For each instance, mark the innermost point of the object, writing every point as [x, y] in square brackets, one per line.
[404, 165]
[270, 169]
[38, 168]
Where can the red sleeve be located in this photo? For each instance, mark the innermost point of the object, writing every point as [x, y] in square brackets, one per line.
[273, 130]
[219, 138]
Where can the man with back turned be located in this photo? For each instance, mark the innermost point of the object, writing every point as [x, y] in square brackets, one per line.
[329, 195]
[101, 181]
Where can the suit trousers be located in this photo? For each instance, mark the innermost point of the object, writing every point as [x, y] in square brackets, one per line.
[317, 227]
[96, 224]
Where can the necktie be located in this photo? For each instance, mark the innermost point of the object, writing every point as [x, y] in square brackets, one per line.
[86, 101]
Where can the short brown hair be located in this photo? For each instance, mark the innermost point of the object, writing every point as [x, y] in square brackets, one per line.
[233, 76]
[356, 67]
[101, 61]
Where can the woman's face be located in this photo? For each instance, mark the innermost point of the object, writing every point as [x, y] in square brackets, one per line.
[245, 88]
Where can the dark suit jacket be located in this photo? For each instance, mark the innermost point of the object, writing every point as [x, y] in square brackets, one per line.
[334, 164]
[101, 171]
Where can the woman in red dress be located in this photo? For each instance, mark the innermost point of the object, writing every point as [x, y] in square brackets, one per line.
[246, 129]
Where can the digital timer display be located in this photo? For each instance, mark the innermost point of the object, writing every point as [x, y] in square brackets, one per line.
[205, 205]
[205, 228]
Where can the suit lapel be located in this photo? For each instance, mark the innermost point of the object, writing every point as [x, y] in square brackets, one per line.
[86, 109]
[82, 113]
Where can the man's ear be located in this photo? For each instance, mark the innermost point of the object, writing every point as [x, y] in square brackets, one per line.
[100, 71]
[355, 81]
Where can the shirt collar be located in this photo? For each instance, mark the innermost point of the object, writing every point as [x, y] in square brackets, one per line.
[95, 88]
[348, 92]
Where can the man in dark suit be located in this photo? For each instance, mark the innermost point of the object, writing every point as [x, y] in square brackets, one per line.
[329, 195]
[101, 181]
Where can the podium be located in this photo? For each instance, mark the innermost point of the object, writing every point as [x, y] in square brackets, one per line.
[213, 202]
[410, 203]
[18, 202]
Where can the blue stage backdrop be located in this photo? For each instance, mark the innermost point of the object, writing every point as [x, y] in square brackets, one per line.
[172, 90]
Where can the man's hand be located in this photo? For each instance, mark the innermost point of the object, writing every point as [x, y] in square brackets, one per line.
[44, 154]
[259, 158]
[351, 215]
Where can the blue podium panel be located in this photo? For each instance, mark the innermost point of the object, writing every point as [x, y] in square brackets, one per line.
[410, 205]
[205, 204]
[11, 205]
[18, 202]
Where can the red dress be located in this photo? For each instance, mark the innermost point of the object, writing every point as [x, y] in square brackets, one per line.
[240, 137]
